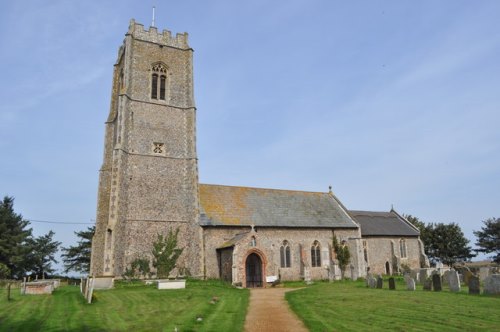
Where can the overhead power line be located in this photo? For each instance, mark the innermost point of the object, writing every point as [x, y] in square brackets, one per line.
[61, 222]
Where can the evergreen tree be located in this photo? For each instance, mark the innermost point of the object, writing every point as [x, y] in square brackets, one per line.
[42, 254]
[342, 253]
[77, 258]
[165, 253]
[14, 237]
[425, 232]
[488, 238]
[449, 244]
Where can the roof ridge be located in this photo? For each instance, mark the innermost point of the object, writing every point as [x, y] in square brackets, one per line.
[257, 188]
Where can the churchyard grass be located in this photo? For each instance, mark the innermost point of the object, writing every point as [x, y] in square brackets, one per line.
[132, 307]
[351, 306]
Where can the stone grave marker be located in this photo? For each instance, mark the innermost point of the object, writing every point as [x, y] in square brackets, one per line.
[428, 284]
[474, 287]
[410, 284]
[392, 283]
[424, 274]
[454, 281]
[436, 282]
[467, 275]
[380, 282]
[492, 285]
[484, 272]
[372, 282]
[446, 277]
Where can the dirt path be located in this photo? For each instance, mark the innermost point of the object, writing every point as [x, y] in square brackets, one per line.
[268, 311]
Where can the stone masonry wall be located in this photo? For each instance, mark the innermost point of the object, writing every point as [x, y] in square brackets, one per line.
[380, 252]
[268, 243]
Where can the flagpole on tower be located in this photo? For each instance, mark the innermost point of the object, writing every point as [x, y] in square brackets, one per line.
[153, 22]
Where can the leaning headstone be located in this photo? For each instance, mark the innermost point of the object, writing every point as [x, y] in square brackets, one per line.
[380, 282]
[436, 282]
[392, 283]
[474, 287]
[492, 285]
[428, 284]
[368, 277]
[454, 281]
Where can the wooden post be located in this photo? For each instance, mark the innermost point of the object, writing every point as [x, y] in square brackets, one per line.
[8, 291]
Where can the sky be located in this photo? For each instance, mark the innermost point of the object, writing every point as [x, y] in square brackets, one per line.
[392, 103]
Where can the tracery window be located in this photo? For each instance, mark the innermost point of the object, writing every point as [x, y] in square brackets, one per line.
[159, 73]
[402, 248]
[285, 254]
[316, 254]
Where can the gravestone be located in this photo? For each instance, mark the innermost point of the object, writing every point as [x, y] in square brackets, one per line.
[380, 282]
[436, 282]
[492, 285]
[484, 272]
[307, 275]
[414, 274]
[446, 277]
[410, 284]
[467, 275]
[428, 284]
[372, 282]
[474, 287]
[454, 281]
[392, 283]
[424, 274]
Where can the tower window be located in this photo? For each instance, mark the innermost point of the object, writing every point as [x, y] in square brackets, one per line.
[158, 91]
[154, 86]
[162, 87]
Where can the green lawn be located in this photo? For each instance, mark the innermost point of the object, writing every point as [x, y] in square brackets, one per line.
[132, 308]
[350, 306]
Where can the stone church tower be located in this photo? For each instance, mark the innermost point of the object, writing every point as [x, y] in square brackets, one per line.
[148, 182]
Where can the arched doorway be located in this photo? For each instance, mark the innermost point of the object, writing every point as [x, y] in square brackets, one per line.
[253, 267]
[387, 268]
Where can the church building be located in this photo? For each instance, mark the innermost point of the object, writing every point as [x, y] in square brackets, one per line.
[148, 185]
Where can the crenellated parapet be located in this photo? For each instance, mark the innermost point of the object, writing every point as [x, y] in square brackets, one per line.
[137, 31]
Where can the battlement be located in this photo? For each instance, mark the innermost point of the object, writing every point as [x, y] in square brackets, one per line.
[137, 31]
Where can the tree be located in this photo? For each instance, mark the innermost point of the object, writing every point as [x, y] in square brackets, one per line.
[14, 237]
[166, 253]
[343, 255]
[425, 231]
[449, 244]
[43, 253]
[488, 238]
[77, 258]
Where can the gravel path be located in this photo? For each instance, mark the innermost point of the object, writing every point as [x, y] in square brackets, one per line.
[268, 311]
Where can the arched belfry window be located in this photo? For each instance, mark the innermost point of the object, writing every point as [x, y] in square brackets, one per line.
[158, 81]
[316, 254]
[285, 255]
